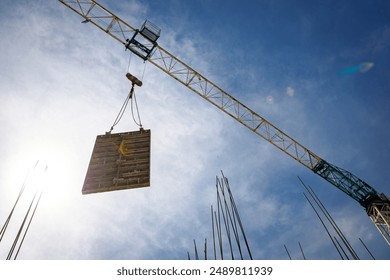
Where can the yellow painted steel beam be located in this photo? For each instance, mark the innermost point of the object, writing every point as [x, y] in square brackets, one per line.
[121, 31]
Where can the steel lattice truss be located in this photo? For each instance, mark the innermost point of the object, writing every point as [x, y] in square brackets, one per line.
[380, 215]
[121, 31]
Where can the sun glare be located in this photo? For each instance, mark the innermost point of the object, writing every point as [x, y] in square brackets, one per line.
[45, 170]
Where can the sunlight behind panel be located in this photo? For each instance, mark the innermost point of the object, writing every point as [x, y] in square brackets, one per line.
[119, 161]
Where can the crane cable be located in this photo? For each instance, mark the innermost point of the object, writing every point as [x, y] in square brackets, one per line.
[129, 64]
[123, 109]
[133, 101]
[136, 107]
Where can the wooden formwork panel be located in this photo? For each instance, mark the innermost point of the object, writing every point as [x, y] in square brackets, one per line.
[119, 161]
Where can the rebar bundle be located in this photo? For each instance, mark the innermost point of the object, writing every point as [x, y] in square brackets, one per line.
[229, 238]
[31, 210]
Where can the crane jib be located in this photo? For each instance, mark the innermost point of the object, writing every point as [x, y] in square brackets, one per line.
[143, 43]
[347, 182]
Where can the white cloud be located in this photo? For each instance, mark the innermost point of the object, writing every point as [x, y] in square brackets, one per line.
[62, 103]
[290, 91]
[68, 86]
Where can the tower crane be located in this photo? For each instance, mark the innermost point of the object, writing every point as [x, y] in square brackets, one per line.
[143, 43]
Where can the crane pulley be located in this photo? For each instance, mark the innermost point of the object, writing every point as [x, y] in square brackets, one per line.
[143, 43]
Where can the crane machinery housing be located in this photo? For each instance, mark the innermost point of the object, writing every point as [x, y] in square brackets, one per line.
[143, 42]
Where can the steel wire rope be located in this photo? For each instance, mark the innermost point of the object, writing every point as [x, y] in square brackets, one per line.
[143, 73]
[128, 65]
[122, 110]
[134, 101]
[135, 98]
[131, 96]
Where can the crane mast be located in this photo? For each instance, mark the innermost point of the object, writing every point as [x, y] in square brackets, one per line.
[143, 43]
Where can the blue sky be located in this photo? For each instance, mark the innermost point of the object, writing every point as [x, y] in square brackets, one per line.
[63, 82]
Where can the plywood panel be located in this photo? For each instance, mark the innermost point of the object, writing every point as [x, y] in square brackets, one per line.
[119, 161]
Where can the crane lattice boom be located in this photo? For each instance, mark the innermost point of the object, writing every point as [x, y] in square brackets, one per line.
[143, 43]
